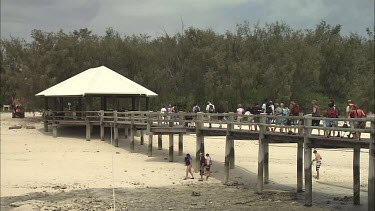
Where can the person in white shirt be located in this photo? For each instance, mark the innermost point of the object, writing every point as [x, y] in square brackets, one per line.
[210, 108]
[240, 112]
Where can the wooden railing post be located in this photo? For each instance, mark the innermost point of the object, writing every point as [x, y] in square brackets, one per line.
[228, 146]
[149, 133]
[115, 128]
[181, 135]
[200, 140]
[262, 129]
[45, 117]
[308, 161]
[371, 171]
[102, 125]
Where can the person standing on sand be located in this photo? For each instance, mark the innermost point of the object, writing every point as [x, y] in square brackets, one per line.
[318, 163]
[188, 163]
[202, 162]
[208, 166]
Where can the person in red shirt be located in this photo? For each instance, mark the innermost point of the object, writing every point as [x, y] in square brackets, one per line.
[357, 113]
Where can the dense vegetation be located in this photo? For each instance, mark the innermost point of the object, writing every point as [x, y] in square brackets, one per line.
[246, 66]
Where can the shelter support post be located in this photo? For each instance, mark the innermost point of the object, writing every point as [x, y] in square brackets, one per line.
[45, 114]
[147, 103]
[308, 161]
[133, 103]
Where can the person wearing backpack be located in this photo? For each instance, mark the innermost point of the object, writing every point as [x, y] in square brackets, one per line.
[210, 108]
[256, 110]
[358, 113]
[188, 164]
[208, 165]
[196, 109]
[330, 113]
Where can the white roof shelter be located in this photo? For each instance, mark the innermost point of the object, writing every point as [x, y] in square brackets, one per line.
[97, 81]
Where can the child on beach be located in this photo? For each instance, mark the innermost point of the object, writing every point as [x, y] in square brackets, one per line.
[318, 163]
[208, 166]
[202, 162]
[188, 163]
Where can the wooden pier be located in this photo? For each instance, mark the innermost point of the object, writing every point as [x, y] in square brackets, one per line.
[156, 123]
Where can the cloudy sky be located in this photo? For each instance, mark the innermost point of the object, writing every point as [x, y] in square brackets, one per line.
[19, 17]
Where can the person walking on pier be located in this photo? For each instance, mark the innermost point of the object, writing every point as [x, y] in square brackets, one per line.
[315, 113]
[358, 113]
[240, 111]
[318, 163]
[331, 113]
[188, 163]
[210, 108]
[347, 115]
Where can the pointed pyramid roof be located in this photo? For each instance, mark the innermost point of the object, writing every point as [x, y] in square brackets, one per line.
[97, 81]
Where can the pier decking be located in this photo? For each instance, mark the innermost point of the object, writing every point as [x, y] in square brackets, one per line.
[156, 123]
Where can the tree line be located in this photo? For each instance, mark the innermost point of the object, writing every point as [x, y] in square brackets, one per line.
[243, 66]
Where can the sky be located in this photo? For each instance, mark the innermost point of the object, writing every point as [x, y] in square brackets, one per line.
[156, 17]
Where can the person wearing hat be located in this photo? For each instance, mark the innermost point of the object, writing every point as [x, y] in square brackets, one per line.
[318, 162]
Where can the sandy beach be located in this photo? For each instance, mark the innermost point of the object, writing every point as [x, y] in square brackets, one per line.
[39, 172]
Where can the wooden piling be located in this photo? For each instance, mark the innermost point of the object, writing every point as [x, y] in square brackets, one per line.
[356, 176]
[142, 137]
[126, 132]
[115, 129]
[181, 135]
[160, 137]
[102, 125]
[371, 171]
[45, 126]
[132, 131]
[228, 147]
[262, 129]
[230, 127]
[171, 147]
[199, 141]
[149, 133]
[266, 161]
[88, 132]
[54, 130]
[308, 161]
[299, 167]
